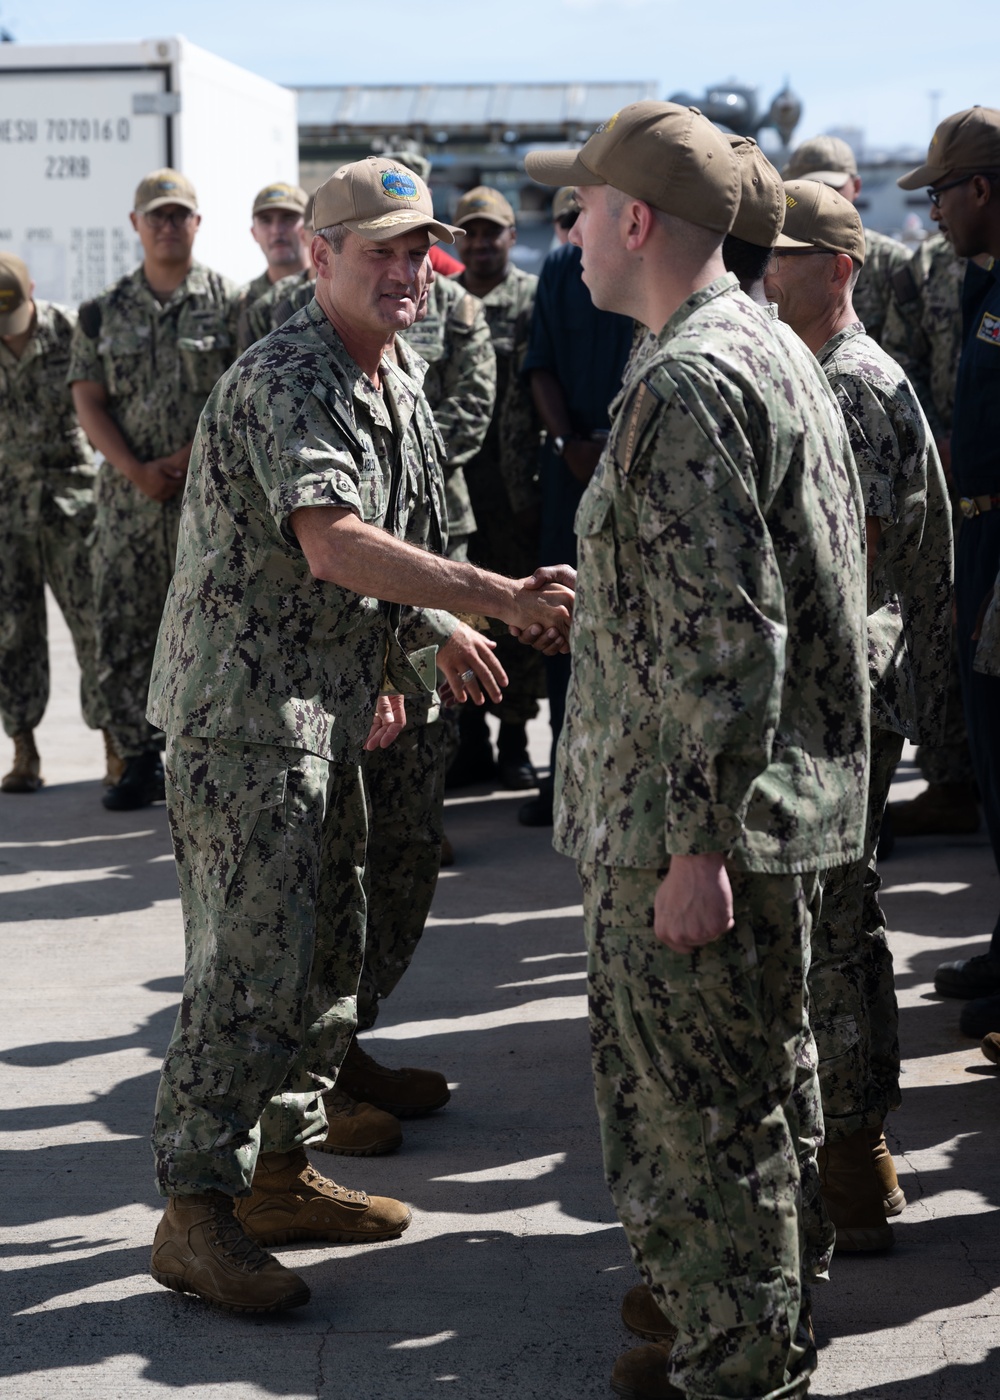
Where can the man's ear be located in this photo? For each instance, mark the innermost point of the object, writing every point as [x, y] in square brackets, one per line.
[843, 271]
[639, 223]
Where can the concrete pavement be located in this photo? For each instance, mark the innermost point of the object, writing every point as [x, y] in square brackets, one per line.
[508, 1282]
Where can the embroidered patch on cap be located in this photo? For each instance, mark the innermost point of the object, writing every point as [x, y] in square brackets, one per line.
[989, 329]
[399, 184]
[608, 125]
[791, 201]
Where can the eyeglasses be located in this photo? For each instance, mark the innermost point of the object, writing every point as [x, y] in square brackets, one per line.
[176, 218]
[934, 192]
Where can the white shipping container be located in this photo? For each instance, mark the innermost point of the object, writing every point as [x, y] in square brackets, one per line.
[81, 124]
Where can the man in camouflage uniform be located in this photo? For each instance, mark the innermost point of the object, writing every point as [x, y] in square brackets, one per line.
[265, 308]
[311, 456]
[47, 478]
[714, 759]
[144, 357]
[404, 784]
[501, 541]
[278, 227]
[910, 569]
[831, 161]
[923, 333]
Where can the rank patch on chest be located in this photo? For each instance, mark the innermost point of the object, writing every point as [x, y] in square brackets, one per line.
[636, 413]
[989, 329]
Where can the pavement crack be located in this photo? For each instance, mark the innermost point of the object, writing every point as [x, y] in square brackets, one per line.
[320, 1360]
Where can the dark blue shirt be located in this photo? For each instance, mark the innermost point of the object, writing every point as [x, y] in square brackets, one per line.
[975, 431]
[584, 348]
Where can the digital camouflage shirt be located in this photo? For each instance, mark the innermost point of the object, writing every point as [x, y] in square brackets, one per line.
[259, 315]
[903, 487]
[883, 257]
[157, 362]
[719, 697]
[44, 454]
[252, 646]
[508, 308]
[461, 384]
[923, 327]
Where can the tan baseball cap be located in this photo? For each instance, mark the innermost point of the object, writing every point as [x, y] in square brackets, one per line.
[827, 159]
[280, 196]
[967, 143]
[378, 199]
[484, 203]
[412, 159]
[816, 216]
[668, 156]
[15, 295]
[564, 202]
[762, 195]
[164, 187]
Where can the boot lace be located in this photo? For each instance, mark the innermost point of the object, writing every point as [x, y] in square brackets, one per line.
[229, 1236]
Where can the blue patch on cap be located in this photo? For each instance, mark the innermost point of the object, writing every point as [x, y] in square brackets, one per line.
[399, 184]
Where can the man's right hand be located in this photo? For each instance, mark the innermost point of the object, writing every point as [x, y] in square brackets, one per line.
[549, 640]
[544, 612]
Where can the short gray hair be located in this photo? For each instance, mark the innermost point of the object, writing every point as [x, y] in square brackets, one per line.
[335, 235]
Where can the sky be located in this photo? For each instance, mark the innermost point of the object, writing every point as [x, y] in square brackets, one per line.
[871, 64]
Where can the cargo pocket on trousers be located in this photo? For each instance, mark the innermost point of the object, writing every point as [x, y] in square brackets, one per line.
[228, 838]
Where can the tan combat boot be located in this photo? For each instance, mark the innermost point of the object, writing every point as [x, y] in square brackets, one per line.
[291, 1201]
[199, 1248]
[641, 1374]
[26, 775]
[641, 1315]
[357, 1129]
[114, 764]
[893, 1200]
[405, 1093]
[991, 1047]
[852, 1194]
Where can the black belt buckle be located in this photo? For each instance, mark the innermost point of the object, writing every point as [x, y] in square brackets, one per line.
[968, 507]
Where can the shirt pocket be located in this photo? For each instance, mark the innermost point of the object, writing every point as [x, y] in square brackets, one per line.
[127, 358]
[204, 360]
[597, 585]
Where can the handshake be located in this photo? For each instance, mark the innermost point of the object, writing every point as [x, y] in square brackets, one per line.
[547, 602]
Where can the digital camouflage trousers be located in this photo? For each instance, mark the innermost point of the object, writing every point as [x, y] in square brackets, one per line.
[134, 553]
[270, 849]
[705, 1080]
[852, 995]
[404, 786]
[54, 550]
